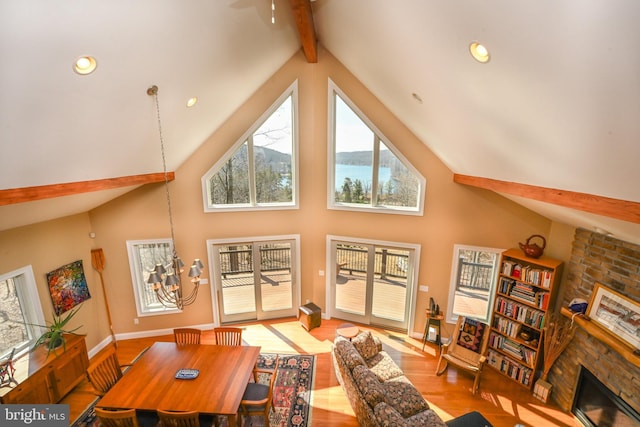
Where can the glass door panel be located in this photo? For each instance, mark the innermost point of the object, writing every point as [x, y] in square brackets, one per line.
[256, 280]
[372, 284]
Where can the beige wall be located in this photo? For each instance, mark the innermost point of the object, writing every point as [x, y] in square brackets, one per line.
[453, 213]
[47, 246]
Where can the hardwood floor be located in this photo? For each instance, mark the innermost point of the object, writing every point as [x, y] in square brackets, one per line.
[501, 401]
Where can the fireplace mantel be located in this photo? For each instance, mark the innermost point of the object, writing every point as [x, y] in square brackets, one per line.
[626, 351]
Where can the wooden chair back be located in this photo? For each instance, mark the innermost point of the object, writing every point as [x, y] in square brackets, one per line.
[187, 335]
[117, 418]
[467, 349]
[257, 399]
[104, 372]
[228, 336]
[178, 419]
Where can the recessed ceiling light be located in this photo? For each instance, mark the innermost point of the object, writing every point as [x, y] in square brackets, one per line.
[479, 52]
[85, 65]
[192, 101]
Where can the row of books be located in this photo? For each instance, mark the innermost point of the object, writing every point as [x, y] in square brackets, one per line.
[512, 348]
[521, 313]
[506, 326]
[524, 292]
[534, 275]
[518, 372]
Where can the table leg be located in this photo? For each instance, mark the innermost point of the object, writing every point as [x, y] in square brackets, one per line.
[231, 419]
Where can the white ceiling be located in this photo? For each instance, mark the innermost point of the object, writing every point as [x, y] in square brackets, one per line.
[557, 106]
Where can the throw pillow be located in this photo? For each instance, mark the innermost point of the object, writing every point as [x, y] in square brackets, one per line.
[404, 398]
[470, 334]
[348, 353]
[365, 344]
[369, 386]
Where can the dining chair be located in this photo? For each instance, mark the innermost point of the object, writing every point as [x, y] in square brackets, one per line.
[117, 418]
[258, 397]
[105, 371]
[228, 335]
[466, 349]
[7, 370]
[187, 335]
[178, 418]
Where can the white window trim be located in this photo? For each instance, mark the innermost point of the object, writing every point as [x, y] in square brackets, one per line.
[214, 271]
[453, 318]
[292, 91]
[331, 185]
[332, 262]
[136, 273]
[28, 294]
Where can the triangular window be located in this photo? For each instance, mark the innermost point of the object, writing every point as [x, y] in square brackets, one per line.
[366, 171]
[260, 169]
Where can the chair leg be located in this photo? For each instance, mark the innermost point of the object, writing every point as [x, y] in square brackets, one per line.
[476, 382]
[439, 370]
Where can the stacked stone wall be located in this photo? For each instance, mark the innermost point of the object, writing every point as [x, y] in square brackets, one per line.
[615, 264]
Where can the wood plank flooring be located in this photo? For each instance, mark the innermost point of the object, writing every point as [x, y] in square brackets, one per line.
[502, 402]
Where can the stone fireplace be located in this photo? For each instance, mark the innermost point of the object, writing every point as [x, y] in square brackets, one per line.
[616, 264]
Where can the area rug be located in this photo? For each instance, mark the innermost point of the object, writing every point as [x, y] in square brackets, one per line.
[292, 394]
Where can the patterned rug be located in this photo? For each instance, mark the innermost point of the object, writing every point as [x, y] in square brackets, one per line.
[292, 394]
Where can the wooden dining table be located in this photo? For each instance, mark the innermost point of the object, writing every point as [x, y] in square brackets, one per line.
[151, 383]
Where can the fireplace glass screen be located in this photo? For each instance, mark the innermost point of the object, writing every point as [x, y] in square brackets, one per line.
[596, 406]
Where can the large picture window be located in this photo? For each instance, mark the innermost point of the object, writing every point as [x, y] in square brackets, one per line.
[474, 274]
[21, 310]
[143, 257]
[259, 172]
[366, 171]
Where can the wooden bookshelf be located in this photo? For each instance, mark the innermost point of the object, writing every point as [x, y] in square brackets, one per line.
[525, 292]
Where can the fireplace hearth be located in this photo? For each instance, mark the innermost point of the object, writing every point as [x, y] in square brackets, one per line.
[597, 406]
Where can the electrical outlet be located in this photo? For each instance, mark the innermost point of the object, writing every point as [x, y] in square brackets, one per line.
[136, 321]
[424, 288]
[321, 273]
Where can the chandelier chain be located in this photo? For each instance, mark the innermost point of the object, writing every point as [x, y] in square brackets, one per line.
[164, 168]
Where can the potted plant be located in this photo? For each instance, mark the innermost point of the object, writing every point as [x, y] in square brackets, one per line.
[55, 330]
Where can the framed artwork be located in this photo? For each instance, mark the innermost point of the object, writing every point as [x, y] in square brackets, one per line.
[67, 286]
[616, 313]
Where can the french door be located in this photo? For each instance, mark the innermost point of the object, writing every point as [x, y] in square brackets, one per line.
[372, 283]
[255, 279]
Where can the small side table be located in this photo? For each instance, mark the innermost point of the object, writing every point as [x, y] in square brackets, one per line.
[310, 316]
[347, 330]
[432, 320]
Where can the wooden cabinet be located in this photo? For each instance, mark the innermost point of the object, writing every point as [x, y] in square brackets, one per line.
[525, 292]
[52, 376]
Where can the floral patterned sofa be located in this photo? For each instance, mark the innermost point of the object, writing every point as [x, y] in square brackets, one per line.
[376, 387]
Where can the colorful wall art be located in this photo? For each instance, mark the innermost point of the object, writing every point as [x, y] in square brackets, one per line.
[68, 287]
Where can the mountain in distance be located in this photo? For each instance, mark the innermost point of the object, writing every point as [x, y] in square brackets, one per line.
[274, 157]
[363, 158]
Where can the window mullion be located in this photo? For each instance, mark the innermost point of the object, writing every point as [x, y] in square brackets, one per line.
[253, 198]
[376, 164]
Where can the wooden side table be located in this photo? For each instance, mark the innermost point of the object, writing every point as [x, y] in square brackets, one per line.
[435, 321]
[347, 330]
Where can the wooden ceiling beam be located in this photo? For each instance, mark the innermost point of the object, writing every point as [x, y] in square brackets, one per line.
[613, 208]
[30, 194]
[303, 16]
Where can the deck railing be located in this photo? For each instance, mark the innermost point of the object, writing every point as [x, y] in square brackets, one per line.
[386, 264]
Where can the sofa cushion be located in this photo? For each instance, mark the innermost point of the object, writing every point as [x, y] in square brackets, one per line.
[348, 353]
[404, 398]
[365, 344]
[369, 386]
[386, 416]
[384, 367]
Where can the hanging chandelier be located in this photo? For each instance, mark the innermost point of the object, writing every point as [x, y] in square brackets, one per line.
[166, 280]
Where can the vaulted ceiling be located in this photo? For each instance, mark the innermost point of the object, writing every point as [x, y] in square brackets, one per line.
[551, 121]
